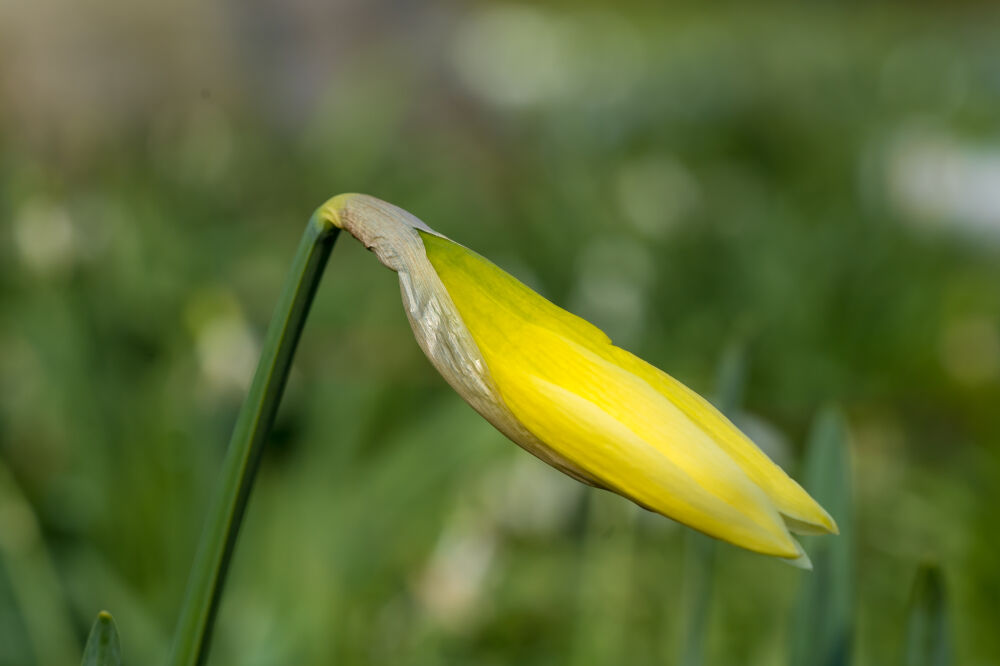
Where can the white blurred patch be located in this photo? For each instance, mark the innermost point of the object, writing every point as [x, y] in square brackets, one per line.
[226, 346]
[526, 496]
[766, 436]
[614, 274]
[45, 237]
[520, 56]
[935, 178]
[512, 56]
[451, 585]
[970, 350]
[656, 193]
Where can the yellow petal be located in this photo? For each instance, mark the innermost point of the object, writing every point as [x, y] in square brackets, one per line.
[626, 424]
[802, 513]
[628, 436]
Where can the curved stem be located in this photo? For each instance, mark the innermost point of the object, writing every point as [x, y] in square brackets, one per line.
[204, 590]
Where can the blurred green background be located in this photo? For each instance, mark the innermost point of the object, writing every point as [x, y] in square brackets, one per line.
[820, 181]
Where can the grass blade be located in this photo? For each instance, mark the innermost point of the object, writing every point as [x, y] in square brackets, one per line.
[103, 647]
[699, 562]
[699, 550]
[928, 639]
[821, 628]
[608, 575]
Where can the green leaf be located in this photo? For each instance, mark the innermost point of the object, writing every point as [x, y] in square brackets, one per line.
[103, 647]
[699, 581]
[699, 550]
[822, 628]
[928, 640]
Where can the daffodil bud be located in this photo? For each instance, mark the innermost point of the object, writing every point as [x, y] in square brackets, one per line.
[556, 385]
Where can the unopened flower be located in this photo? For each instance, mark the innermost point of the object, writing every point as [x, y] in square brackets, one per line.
[556, 385]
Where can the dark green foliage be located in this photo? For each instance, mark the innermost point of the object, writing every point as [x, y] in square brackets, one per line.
[928, 626]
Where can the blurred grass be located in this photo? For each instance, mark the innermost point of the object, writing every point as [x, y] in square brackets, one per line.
[928, 631]
[822, 625]
[697, 173]
[700, 550]
[36, 592]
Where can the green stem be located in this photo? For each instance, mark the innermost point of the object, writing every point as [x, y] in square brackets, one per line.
[194, 628]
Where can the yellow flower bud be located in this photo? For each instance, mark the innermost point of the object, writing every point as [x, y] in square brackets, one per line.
[556, 385]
